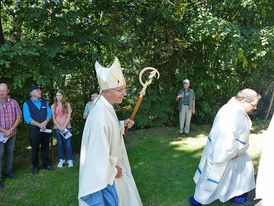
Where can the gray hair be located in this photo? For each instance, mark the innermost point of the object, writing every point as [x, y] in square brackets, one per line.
[247, 95]
[4, 85]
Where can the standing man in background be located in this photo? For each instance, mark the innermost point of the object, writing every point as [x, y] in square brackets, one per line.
[186, 107]
[10, 116]
[37, 115]
[93, 96]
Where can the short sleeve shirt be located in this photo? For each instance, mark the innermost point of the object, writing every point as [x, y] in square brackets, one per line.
[187, 99]
[9, 112]
[61, 117]
[88, 108]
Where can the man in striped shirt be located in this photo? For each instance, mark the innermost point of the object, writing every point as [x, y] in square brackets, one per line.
[10, 116]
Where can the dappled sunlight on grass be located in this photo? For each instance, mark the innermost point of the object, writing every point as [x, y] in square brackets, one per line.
[195, 145]
[169, 161]
[255, 148]
[201, 135]
[163, 164]
[261, 131]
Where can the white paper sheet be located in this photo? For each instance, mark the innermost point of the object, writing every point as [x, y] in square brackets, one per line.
[46, 131]
[66, 134]
[2, 138]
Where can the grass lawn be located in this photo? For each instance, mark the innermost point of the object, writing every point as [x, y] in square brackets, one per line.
[163, 164]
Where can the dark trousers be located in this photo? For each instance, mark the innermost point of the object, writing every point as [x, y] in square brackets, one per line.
[8, 149]
[38, 138]
[241, 199]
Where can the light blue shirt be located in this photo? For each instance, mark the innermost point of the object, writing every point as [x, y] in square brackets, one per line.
[26, 112]
[88, 108]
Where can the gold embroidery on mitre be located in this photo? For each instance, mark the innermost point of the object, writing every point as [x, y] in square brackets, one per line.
[110, 78]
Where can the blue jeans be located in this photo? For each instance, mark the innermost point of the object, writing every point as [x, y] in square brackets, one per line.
[60, 145]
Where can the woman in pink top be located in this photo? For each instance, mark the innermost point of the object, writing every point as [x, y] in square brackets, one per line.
[61, 114]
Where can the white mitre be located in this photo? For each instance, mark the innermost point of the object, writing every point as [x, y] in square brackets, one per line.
[110, 78]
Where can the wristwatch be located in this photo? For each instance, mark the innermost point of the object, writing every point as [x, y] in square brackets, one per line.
[11, 129]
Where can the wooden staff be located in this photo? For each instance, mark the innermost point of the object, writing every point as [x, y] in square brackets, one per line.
[143, 91]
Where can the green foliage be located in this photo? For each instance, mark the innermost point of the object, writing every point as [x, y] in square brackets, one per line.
[221, 46]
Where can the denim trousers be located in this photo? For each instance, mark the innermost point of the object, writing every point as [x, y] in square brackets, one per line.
[7, 148]
[60, 139]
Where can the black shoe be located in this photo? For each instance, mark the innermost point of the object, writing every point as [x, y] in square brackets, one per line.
[181, 133]
[193, 202]
[48, 168]
[11, 175]
[35, 171]
[190, 202]
[242, 204]
[1, 185]
[186, 134]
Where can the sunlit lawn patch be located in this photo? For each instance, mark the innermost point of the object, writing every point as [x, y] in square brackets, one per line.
[163, 164]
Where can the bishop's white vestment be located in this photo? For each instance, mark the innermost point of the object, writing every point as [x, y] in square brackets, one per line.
[265, 180]
[220, 175]
[102, 149]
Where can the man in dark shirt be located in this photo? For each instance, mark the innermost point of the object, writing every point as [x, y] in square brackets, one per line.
[186, 107]
[37, 115]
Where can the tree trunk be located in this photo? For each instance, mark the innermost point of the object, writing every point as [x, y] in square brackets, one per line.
[2, 40]
[17, 23]
[270, 105]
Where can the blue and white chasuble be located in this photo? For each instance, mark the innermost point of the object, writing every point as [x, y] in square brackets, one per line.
[225, 169]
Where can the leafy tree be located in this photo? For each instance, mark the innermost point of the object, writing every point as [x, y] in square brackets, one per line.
[221, 46]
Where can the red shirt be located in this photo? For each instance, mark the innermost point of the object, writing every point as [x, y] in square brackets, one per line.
[9, 112]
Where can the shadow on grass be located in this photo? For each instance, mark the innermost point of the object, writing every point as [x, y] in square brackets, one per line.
[163, 164]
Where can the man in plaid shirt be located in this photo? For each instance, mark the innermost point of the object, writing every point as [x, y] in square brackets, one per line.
[10, 116]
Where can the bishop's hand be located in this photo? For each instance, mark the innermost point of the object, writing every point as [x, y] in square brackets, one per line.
[119, 172]
[128, 123]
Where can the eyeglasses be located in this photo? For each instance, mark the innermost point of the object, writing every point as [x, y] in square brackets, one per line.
[119, 90]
